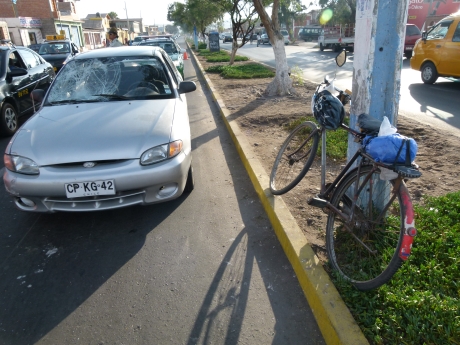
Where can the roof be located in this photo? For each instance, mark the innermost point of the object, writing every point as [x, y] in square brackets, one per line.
[119, 51]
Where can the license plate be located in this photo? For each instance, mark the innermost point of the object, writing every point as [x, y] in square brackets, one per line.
[81, 189]
[409, 47]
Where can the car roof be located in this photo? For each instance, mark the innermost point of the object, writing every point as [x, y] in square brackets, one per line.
[120, 51]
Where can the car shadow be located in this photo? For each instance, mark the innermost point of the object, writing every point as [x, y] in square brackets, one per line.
[52, 263]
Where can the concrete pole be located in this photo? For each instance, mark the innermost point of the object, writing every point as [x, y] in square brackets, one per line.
[378, 52]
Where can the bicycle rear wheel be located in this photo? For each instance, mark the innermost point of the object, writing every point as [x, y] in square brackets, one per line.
[294, 158]
[365, 250]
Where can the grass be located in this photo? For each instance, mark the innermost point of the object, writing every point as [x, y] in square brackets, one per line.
[220, 56]
[420, 305]
[336, 141]
[247, 71]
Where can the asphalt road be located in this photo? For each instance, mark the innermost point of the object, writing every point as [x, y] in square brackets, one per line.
[437, 105]
[203, 269]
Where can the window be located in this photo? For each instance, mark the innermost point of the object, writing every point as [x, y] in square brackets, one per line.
[439, 31]
[456, 37]
[30, 59]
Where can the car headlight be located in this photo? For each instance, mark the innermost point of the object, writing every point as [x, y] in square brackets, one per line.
[21, 165]
[160, 153]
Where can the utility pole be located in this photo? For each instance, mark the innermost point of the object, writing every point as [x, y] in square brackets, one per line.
[127, 21]
[378, 52]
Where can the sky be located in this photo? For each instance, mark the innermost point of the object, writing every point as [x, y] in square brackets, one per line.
[152, 11]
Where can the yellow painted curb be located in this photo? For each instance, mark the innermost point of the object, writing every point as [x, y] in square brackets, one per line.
[335, 321]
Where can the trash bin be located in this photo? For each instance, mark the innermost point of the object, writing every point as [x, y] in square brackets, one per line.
[214, 42]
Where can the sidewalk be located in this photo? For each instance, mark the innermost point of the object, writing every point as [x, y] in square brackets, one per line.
[333, 317]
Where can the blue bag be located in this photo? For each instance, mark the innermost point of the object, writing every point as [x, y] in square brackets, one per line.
[391, 149]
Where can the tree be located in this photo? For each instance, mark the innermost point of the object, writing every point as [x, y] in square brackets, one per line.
[289, 9]
[172, 29]
[282, 83]
[113, 15]
[244, 18]
[344, 11]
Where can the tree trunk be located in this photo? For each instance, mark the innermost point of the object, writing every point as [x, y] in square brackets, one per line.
[282, 84]
[233, 53]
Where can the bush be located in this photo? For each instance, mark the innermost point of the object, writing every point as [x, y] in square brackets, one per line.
[248, 71]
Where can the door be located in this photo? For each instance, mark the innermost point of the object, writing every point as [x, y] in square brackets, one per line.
[450, 61]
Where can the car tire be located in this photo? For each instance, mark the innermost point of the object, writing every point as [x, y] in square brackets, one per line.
[8, 120]
[190, 184]
[408, 54]
[429, 73]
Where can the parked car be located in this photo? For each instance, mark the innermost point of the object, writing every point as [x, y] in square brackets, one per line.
[113, 131]
[285, 34]
[264, 39]
[227, 38]
[170, 46]
[58, 51]
[21, 71]
[35, 47]
[309, 33]
[436, 54]
[412, 35]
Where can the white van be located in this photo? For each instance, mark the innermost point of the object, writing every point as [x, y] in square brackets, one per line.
[285, 34]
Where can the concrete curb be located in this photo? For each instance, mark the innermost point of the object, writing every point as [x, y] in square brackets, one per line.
[332, 315]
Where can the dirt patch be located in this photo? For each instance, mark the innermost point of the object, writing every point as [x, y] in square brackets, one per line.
[261, 118]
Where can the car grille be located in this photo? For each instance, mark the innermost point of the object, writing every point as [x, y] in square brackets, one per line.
[103, 202]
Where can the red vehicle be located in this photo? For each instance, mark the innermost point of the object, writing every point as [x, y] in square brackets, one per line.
[412, 35]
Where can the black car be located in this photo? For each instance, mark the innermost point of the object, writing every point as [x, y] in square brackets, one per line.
[35, 47]
[56, 52]
[21, 71]
[227, 38]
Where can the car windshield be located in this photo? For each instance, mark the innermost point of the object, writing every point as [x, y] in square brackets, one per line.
[109, 79]
[54, 48]
[439, 31]
[168, 47]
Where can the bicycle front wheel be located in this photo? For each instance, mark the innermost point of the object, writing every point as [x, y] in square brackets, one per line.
[364, 249]
[294, 158]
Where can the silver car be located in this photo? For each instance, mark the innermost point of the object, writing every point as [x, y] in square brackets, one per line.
[113, 131]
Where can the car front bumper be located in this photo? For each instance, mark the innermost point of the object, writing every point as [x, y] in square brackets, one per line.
[134, 184]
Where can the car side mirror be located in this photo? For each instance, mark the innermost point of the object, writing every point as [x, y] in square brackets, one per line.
[424, 36]
[37, 95]
[187, 86]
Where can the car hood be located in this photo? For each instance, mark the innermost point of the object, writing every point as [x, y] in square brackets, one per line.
[94, 131]
[55, 57]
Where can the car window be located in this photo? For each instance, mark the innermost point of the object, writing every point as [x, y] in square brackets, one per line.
[110, 79]
[30, 58]
[15, 60]
[439, 31]
[456, 37]
[412, 30]
[172, 69]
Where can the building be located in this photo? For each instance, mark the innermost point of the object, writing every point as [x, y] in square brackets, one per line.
[29, 21]
[95, 27]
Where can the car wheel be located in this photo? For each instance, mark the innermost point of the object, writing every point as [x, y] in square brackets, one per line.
[429, 73]
[9, 120]
[190, 184]
[408, 54]
[321, 47]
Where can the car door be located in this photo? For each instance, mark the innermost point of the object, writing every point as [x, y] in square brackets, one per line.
[39, 77]
[450, 58]
[20, 87]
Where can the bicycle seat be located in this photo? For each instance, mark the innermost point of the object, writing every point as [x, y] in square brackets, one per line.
[368, 124]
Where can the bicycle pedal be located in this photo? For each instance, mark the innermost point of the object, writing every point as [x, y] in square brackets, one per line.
[317, 202]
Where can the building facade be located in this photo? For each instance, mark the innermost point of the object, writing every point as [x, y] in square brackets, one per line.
[29, 21]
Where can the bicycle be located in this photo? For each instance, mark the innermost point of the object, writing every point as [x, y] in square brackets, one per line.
[370, 224]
